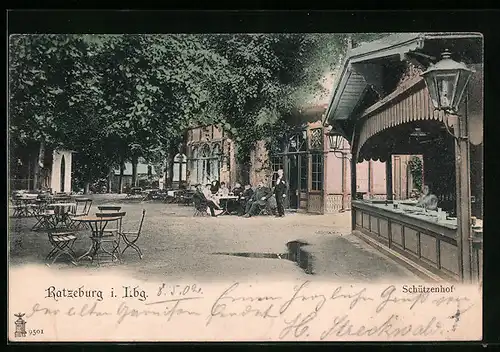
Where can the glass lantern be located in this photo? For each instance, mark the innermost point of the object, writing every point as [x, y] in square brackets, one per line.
[335, 140]
[446, 81]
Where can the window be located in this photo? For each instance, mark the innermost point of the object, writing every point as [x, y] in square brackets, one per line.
[179, 168]
[214, 163]
[204, 164]
[317, 172]
[194, 175]
[276, 164]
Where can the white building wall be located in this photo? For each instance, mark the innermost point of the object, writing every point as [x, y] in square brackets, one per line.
[55, 182]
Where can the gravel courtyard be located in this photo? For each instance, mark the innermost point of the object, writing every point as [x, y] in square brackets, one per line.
[179, 246]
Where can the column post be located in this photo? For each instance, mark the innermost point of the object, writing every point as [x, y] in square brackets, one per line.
[388, 178]
[462, 174]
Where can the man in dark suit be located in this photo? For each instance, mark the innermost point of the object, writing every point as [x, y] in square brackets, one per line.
[280, 193]
[259, 200]
[244, 199]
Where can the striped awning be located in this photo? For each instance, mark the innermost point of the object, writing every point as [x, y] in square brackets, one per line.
[409, 103]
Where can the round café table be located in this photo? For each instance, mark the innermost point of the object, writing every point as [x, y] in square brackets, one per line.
[97, 226]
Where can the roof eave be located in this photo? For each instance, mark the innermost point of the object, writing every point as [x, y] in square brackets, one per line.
[398, 49]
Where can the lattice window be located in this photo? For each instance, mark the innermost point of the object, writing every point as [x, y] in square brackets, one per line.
[316, 139]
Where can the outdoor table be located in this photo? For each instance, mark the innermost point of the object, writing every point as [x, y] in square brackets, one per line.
[110, 208]
[97, 226]
[22, 206]
[171, 196]
[62, 212]
[224, 201]
[172, 193]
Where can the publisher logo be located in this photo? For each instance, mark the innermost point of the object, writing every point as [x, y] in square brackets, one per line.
[20, 325]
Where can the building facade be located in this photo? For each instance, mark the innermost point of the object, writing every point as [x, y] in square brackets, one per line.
[210, 156]
[45, 169]
[318, 178]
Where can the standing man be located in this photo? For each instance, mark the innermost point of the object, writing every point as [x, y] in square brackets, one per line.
[280, 193]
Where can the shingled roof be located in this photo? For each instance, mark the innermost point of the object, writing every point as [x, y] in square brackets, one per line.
[351, 84]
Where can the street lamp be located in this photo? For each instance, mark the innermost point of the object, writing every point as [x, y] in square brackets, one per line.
[335, 141]
[446, 81]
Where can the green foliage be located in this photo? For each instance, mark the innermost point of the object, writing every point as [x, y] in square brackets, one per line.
[114, 97]
[270, 77]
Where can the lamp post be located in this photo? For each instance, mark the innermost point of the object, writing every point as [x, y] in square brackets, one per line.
[447, 83]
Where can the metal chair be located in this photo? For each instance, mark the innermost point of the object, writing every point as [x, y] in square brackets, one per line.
[200, 207]
[112, 235]
[62, 244]
[131, 237]
[83, 206]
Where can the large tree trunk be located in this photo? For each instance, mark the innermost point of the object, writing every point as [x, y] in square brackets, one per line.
[120, 179]
[135, 161]
[86, 190]
[110, 176]
[38, 166]
[169, 169]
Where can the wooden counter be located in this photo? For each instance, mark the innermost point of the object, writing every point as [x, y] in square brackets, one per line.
[418, 236]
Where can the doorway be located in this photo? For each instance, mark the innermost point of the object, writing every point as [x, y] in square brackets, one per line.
[293, 178]
[63, 173]
[296, 177]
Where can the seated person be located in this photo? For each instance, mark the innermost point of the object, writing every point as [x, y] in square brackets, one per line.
[211, 196]
[244, 198]
[199, 197]
[237, 190]
[272, 204]
[214, 187]
[223, 190]
[259, 200]
[427, 200]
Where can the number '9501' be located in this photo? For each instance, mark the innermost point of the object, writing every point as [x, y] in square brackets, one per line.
[35, 332]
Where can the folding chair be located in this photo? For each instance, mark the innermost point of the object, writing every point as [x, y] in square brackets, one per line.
[130, 237]
[45, 219]
[17, 208]
[20, 207]
[62, 244]
[83, 206]
[200, 208]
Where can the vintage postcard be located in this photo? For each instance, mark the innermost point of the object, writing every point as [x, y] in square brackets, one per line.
[245, 187]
